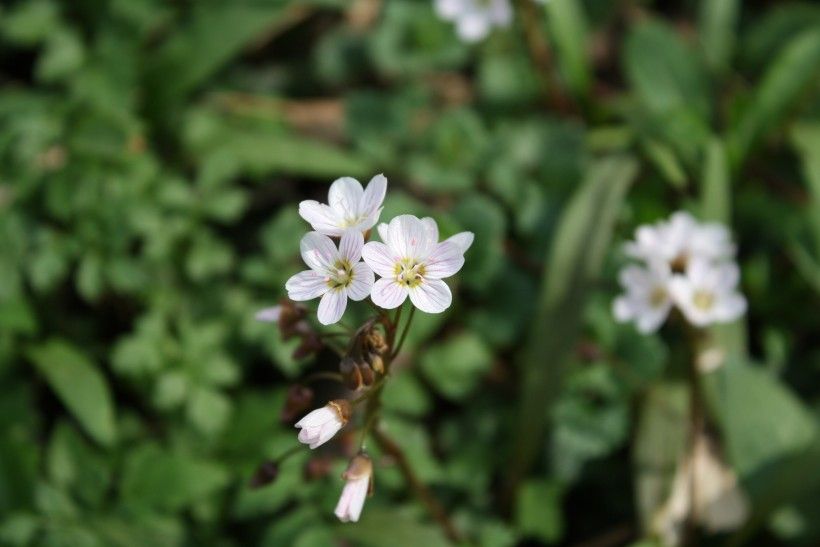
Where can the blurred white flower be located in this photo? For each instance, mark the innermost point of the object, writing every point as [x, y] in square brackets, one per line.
[320, 425]
[269, 315]
[474, 19]
[412, 262]
[334, 274]
[680, 239]
[707, 293]
[349, 206]
[359, 482]
[647, 300]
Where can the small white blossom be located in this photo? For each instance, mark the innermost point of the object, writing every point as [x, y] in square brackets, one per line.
[474, 19]
[269, 315]
[707, 293]
[334, 274]
[680, 239]
[359, 482]
[647, 300]
[411, 262]
[320, 425]
[349, 206]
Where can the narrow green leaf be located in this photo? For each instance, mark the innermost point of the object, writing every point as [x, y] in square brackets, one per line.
[538, 510]
[80, 386]
[788, 76]
[568, 28]
[718, 22]
[579, 246]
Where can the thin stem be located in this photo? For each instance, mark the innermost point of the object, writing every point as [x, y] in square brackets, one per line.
[373, 390]
[425, 495]
[368, 425]
[403, 336]
[288, 453]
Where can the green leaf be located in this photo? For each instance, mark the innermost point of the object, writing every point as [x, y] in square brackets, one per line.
[717, 24]
[382, 526]
[80, 386]
[455, 366]
[568, 29]
[579, 246]
[538, 510]
[659, 445]
[155, 478]
[789, 74]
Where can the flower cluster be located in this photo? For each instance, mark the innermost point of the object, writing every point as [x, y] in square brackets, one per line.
[683, 264]
[475, 19]
[410, 260]
[411, 263]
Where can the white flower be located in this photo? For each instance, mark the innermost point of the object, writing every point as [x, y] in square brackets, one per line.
[680, 239]
[412, 262]
[464, 240]
[707, 293]
[474, 19]
[359, 482]
[334, 274]
[647, 300]
[320, 425]
[269, 315]
[349, 206]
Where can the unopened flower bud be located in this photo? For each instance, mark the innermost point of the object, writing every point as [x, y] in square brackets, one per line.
[376, 362]
[311, 343]
[265, 474]
[359, 483]
[320, 425]
[298, 400]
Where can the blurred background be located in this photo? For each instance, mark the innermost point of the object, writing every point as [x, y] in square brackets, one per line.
[152, 155]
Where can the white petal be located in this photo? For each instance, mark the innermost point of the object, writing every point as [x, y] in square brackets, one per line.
[463, 239]
[350, 246]
[449, 9]
[431, 296]
[317, 417]
[473, 27]
[326, 433]
[383, 231]
[622, 309]
[332, 306]
[362, 282]
[652, 318]
[431, 228]
[409, 238]
[445, 260]
[380, 258]
[731, 307]
[321, 217]
[344, 197]
[354, 510]
[306, 285]
[501, 12]
[318, 251]
[269, 315]
[373, 195]
[388, 294]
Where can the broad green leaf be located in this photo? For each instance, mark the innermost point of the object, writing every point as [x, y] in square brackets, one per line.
[79, 385]
[568, 29]
[538, 510]
[382, 526]
[659, 445]
[156, 478]
[718, 28]
[455, 367]
[788, 76]
[579, 246]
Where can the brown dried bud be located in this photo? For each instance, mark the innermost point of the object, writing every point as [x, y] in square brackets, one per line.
[376, 362]
[298, 400]
[311, 343]
[265, 474]
[319, 467]
[374, 342]
[291, 316]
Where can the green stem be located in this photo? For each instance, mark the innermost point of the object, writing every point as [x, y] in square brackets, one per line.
[403, 336]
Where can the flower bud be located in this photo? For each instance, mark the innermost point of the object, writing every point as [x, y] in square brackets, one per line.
[376, 362]
[359, 483]
[298, 400]
[320, 425]
[265, 474]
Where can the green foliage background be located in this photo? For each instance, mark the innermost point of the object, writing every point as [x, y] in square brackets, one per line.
[151, 157]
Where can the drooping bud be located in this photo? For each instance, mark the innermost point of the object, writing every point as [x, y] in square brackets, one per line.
[376, 362]
[359, 483]
[298, 400]
[320, 425]
[265, 474]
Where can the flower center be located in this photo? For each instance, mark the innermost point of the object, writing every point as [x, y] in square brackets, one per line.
[350, 222]
[657, 297]
[409, 273]
[678, 264]
[341, 276]
[703, 300]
